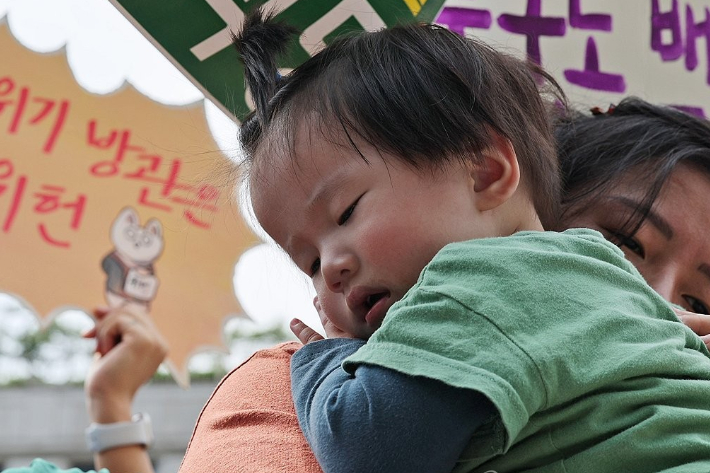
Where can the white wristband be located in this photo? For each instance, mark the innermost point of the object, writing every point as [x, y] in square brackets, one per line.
[101, 437]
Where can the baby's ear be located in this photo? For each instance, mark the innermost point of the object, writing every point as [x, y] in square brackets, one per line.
[497, 177]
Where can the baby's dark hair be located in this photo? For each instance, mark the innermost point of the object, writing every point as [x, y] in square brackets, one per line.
[597, 150]
[416, 91]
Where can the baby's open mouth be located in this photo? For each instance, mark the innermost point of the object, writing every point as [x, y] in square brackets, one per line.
[373, 298]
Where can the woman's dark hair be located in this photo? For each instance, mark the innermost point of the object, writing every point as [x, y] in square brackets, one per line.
[597, 150]
[416, 91]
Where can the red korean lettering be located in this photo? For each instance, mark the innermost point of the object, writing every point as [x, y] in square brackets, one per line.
[6, 172]
[49, 200]
[118, 139]
[206, 198]
[43, 112]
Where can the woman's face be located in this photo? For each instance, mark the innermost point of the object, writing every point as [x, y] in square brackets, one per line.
[672, 247]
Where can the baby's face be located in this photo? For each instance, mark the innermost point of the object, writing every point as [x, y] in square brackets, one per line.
[363, 231]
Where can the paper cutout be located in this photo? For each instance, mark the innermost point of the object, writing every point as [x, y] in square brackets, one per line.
[130, 274]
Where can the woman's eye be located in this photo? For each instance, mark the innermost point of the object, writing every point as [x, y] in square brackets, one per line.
[696, 305]
[315, 266]
[348, 212]
[630, 243]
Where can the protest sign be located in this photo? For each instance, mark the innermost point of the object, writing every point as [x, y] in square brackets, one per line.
[114, 199]
[602, 50]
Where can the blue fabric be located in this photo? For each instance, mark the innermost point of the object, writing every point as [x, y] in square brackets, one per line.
[418, 424]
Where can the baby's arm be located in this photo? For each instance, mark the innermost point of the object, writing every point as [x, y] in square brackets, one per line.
[379, 419]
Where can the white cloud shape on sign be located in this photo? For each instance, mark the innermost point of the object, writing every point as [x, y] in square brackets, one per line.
[103, 49]
[63, 356]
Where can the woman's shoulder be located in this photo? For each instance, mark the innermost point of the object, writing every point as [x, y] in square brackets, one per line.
[249, 424]
[244, 385]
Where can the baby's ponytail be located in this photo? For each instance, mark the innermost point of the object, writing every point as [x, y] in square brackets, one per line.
[259, 43]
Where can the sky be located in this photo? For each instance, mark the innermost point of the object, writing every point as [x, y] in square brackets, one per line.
[105, 52]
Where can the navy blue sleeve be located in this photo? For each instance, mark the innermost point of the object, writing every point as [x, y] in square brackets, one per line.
[378, 419]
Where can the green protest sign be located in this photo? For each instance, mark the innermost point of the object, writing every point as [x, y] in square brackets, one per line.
[196, 34]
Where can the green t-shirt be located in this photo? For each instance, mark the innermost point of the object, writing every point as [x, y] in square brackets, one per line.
[589, 369]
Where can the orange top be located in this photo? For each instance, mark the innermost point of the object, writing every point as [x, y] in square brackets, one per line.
[249, 424]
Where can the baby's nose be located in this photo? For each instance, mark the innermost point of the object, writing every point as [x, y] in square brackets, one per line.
[338, 269]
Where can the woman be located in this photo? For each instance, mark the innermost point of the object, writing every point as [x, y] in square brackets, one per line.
[638, 173]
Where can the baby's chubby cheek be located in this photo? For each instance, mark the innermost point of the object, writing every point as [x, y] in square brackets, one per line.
[331, 307]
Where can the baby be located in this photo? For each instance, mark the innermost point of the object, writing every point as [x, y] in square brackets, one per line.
[410, 173]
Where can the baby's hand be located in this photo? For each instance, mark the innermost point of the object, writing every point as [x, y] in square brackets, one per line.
[698, 323]
[307, 335]
[304, 333]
